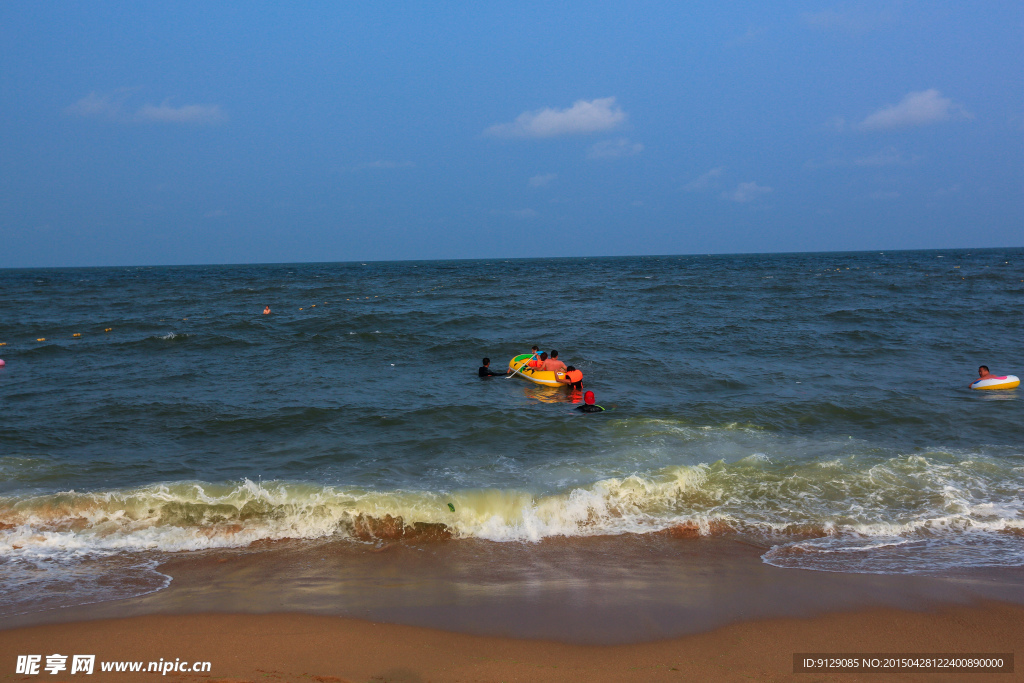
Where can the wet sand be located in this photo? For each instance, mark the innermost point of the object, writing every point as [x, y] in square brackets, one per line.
[648, 607]
[297, 647]
[603, 590]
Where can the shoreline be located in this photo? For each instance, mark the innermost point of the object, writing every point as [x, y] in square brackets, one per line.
[585, 591]
[628, 608]
[293, 647]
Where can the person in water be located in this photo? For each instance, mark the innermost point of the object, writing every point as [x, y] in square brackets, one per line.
[485, 370]
[552, 364]
[983, 373]
[266, 310]
[588, 404]
[574, 378]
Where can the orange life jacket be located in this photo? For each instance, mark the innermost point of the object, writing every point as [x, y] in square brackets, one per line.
[534, 363]
[574, 376]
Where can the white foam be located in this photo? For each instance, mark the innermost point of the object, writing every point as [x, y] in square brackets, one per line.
[845, 500]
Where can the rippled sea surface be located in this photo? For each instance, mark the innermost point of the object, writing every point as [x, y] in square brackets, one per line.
[814, 403]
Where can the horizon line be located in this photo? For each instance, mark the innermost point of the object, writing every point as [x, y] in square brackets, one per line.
[507, 258]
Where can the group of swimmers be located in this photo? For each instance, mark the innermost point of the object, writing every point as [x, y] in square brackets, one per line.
[565, 374]
[544, 361]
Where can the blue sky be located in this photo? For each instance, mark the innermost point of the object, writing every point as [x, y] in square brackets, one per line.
[171, 133]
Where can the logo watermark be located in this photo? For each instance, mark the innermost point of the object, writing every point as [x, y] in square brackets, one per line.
[37, 665]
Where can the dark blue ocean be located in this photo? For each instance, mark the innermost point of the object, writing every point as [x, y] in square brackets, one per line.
[817, 404]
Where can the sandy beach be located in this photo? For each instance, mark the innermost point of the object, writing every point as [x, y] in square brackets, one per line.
[688, 609]
[320, 517]
[296, 647]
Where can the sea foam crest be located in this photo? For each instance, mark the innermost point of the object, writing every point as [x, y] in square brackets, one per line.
[908, 498]
[196, 515]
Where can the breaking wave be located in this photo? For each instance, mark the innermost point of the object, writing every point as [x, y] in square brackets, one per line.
[810, 514]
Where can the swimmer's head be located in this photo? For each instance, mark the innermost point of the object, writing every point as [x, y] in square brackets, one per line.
[535, 349]
[588, 398]
[982, 370]
[487, 361]
[544, 356]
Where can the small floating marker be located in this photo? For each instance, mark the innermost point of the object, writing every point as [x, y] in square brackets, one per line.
[77, 334]
[41, 339]
[300, 309]
[3, 343]
[108, 329]
[451, 507]
[313, 306]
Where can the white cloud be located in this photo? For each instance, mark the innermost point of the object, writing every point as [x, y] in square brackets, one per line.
[704, 182]
[614, 149]
[746, 192]
[102, 106]
[916, 109]
[114, 108]
[542, 180]
[187, 113]
[582, 117]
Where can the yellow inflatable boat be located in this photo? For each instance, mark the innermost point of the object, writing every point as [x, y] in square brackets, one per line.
[545, 377]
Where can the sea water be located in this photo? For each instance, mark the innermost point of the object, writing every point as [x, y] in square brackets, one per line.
[814, 404]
